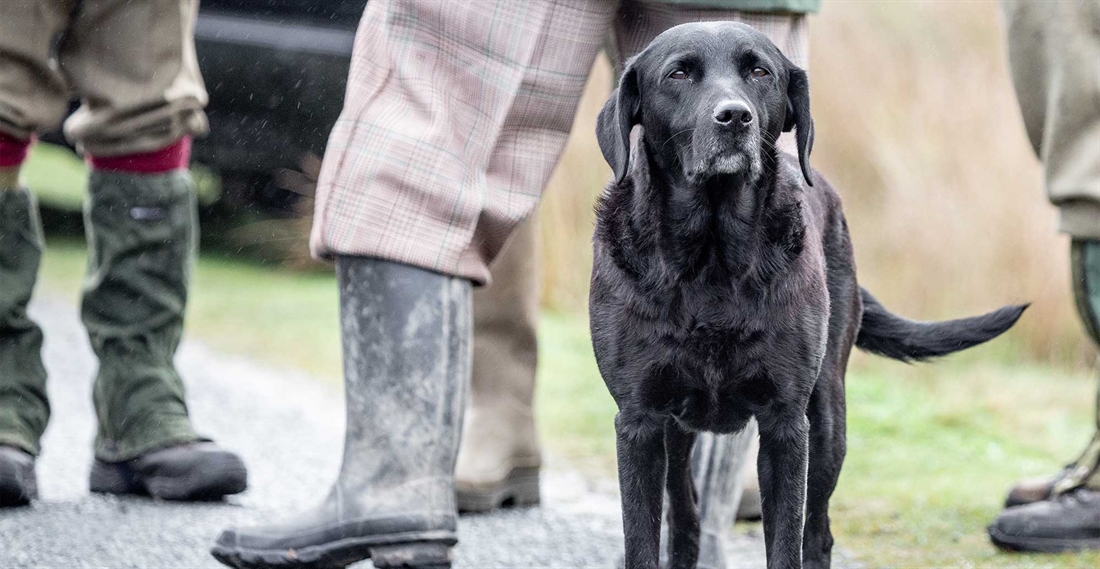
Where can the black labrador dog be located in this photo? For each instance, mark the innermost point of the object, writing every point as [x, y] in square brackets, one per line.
[724, 288]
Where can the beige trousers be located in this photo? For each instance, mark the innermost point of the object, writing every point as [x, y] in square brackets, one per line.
[499, 433]
[1054, 52]
[131, 63]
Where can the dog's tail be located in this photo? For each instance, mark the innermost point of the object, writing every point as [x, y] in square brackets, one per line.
[890, 335]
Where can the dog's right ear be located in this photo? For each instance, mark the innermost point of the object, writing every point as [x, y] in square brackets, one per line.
[798, 117]
[618, 117]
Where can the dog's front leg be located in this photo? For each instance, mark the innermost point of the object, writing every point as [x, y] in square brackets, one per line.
[640, 441]
[683, 519]
[784, 455]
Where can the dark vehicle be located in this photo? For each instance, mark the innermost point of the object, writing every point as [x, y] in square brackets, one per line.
[276, 72]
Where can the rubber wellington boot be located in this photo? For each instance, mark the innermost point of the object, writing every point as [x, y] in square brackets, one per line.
[24, 409]
[499, 459]
[717, 466]
[141, 240]
[406, 365]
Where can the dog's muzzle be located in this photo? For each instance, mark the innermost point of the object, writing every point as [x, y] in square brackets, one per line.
[727, 142]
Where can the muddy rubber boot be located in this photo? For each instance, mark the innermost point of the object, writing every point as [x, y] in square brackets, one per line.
[24, 409]
[406, 335]
[499, 459]
[142, 235]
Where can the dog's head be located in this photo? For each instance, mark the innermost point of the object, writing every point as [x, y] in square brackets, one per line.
[710, 98]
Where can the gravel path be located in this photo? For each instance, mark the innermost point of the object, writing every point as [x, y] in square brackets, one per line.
[288, 428]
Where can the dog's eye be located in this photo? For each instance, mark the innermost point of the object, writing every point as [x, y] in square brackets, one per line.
[678, 75]
[759, 72]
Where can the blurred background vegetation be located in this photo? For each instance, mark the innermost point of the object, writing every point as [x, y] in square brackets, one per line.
[918, 129]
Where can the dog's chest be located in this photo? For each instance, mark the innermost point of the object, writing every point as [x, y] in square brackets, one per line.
[715, 327]
[707, 362]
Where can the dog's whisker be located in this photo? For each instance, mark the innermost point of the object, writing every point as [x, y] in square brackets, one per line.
[669, 139]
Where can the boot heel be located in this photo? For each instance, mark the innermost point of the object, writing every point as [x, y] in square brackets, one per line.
[524, 487]
[108, 478]
[421, 555]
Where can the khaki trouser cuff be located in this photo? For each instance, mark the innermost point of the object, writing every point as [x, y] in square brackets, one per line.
[144, 79]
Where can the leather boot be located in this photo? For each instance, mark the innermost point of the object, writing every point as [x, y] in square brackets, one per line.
[1085, 264]
[18, 485]
[499, 459]
[197, 471]
[1069, 521]
[1062, 513]
[1031, 490]
[406, 365]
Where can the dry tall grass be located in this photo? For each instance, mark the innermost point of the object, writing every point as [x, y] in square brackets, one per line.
[918, 128]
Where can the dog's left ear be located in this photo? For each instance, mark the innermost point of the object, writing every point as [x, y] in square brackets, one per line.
[798, 116]
[617, 118]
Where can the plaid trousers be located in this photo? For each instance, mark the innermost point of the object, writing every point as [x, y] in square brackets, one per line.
[456, 114]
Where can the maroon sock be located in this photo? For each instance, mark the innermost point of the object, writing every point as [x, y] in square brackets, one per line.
[13, 151]
[174, 157]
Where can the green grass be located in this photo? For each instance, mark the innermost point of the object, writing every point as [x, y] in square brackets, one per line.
[931, 449]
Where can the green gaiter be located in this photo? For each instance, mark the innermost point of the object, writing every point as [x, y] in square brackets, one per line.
[24, 409]
[142, 235]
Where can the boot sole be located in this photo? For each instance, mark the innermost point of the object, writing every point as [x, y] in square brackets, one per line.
[225, 476]
[520, 488]
[422, 550]
[17, 487]
[1041, 544]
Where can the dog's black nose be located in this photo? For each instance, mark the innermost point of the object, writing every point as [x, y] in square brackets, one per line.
[734, 114]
